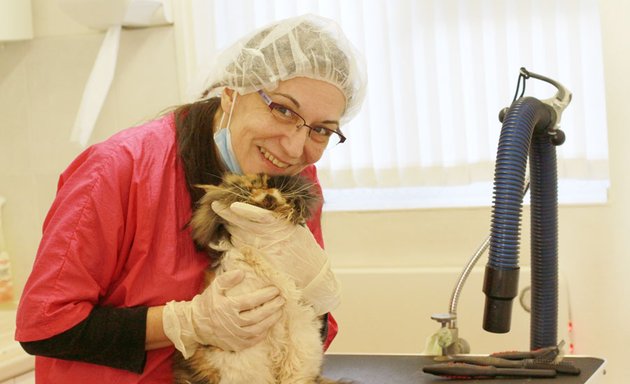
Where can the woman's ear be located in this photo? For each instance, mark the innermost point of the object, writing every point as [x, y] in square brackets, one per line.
[227, 98]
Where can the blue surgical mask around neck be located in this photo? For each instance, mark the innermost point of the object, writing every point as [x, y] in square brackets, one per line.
[223, 141]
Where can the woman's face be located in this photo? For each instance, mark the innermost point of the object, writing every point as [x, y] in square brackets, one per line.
[262, 144]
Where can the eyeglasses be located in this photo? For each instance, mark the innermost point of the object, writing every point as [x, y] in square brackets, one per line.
[320, 135]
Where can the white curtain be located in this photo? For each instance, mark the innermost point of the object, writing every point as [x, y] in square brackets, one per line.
[439, 73]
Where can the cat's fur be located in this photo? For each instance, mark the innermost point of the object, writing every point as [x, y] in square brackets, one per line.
[292, 351]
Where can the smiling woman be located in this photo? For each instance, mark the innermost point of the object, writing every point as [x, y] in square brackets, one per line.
[313, 79]
[116, 281]
[284, 146]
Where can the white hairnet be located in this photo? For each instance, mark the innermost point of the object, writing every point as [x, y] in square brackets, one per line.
[304, 46]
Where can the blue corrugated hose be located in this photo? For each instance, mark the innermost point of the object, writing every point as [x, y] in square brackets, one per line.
[524, 131]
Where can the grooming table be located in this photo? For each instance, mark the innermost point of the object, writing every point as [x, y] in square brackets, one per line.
[407, 369]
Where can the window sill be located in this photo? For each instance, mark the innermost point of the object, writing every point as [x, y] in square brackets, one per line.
[570, 192]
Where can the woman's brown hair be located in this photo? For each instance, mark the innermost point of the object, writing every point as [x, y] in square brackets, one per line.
[195, 144]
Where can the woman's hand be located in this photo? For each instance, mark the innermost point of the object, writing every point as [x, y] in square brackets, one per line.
[212, 318]
[289, 248]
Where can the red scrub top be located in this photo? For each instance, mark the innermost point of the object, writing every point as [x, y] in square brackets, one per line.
[116, 236]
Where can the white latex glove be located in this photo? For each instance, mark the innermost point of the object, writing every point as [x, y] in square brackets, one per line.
[230, 323]
[289, 248]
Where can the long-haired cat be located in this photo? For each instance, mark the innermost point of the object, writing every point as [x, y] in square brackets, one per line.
[292, 352]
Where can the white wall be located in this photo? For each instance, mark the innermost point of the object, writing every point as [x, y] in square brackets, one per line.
[41, 83]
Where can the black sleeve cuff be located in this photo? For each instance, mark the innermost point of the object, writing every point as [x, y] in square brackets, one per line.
[114, 337]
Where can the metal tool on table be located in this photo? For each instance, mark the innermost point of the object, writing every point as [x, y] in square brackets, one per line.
[542, 362]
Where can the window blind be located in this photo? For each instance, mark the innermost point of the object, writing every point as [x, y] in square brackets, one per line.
[439, 72]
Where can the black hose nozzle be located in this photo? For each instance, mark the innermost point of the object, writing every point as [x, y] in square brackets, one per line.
[500, 287]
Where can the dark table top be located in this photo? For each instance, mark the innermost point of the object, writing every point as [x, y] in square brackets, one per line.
[407, 369]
